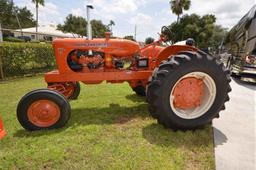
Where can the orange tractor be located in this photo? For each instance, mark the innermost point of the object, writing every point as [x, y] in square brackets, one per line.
[185, 88]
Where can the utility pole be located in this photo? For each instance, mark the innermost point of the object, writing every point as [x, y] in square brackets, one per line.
[135, 32]
[17, 18]
[37, 20]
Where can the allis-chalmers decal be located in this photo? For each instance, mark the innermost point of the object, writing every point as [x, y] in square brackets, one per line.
[92, 45]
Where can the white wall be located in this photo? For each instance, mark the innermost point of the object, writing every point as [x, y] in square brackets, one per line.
[33, 36]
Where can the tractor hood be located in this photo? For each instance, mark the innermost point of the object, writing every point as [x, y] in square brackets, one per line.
[115, 47]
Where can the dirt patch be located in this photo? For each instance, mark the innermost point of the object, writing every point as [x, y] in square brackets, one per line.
[122, 120]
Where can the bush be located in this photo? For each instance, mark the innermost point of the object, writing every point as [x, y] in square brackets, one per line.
[13, 39]
[149, 40]
[26, 58]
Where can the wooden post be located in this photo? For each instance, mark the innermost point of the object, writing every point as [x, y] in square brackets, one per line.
[1, 63]
[1, 34]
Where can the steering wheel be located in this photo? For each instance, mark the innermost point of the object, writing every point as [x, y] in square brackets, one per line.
[166, 32]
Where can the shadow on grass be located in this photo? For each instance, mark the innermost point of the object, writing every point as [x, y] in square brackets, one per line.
[114, 114]
[135, 98]
[156, 134]
[22, 133]
[108, 115]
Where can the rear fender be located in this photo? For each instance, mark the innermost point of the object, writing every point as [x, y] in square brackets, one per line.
[173, 50]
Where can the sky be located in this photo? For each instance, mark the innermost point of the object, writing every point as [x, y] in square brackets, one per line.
[148, 15]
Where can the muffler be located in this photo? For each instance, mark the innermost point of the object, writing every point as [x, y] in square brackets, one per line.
[89, 26]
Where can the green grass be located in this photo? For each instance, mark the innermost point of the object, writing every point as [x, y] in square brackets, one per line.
[110, 128]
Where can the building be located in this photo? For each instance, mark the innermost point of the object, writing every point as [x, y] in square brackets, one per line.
[45, 32]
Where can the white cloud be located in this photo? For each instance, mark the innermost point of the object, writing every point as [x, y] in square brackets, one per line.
[148, 15]
[228, 12]
[126, 14]
[77, 12]
[49, 13]
[115, 7]
[141, 19]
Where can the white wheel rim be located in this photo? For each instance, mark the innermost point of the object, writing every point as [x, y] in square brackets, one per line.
[207, 99]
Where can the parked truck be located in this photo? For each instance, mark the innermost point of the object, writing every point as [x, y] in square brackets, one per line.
[239, 48]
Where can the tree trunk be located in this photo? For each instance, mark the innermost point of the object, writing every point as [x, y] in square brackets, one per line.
[1, 63]
[37, 21]
[178, 18]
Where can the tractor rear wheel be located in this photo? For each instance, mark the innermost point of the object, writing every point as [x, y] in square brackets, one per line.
[43, 109]
[188, 90]
[76, 92]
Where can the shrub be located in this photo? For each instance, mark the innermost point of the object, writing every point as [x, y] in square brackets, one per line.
[13, 39]
[26, 58]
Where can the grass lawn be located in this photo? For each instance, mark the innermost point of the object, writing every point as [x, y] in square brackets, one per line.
[110, 128]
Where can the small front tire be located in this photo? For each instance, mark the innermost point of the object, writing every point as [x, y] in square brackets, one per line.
[43, 109]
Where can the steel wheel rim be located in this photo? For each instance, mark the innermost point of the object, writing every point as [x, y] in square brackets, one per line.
[43, 113]
[207, 100]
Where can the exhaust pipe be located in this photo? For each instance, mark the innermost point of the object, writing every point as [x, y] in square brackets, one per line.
[89, 27]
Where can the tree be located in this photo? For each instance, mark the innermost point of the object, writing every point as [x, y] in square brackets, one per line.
[178, 6]
[98, 28]
[129, 37]
[77, 25]
[74, 24]
[110, 25]
[37, 2]
[219, 35]
[8, 18]
[201, 28]
[149, 40]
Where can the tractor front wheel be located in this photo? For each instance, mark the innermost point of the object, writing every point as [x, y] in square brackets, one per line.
[188, 90]
[43, 109]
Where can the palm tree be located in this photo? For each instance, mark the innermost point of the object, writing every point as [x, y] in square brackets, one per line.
[178, 6]
[111, 24]
[37, 2]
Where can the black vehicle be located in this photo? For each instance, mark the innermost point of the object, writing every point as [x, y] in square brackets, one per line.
[239, 48]
[25, 38]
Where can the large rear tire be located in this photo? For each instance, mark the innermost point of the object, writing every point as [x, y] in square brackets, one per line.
[188, 90]
[43, 109]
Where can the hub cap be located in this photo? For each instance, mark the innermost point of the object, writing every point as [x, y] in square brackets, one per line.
[193, 95]
[43, 113]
